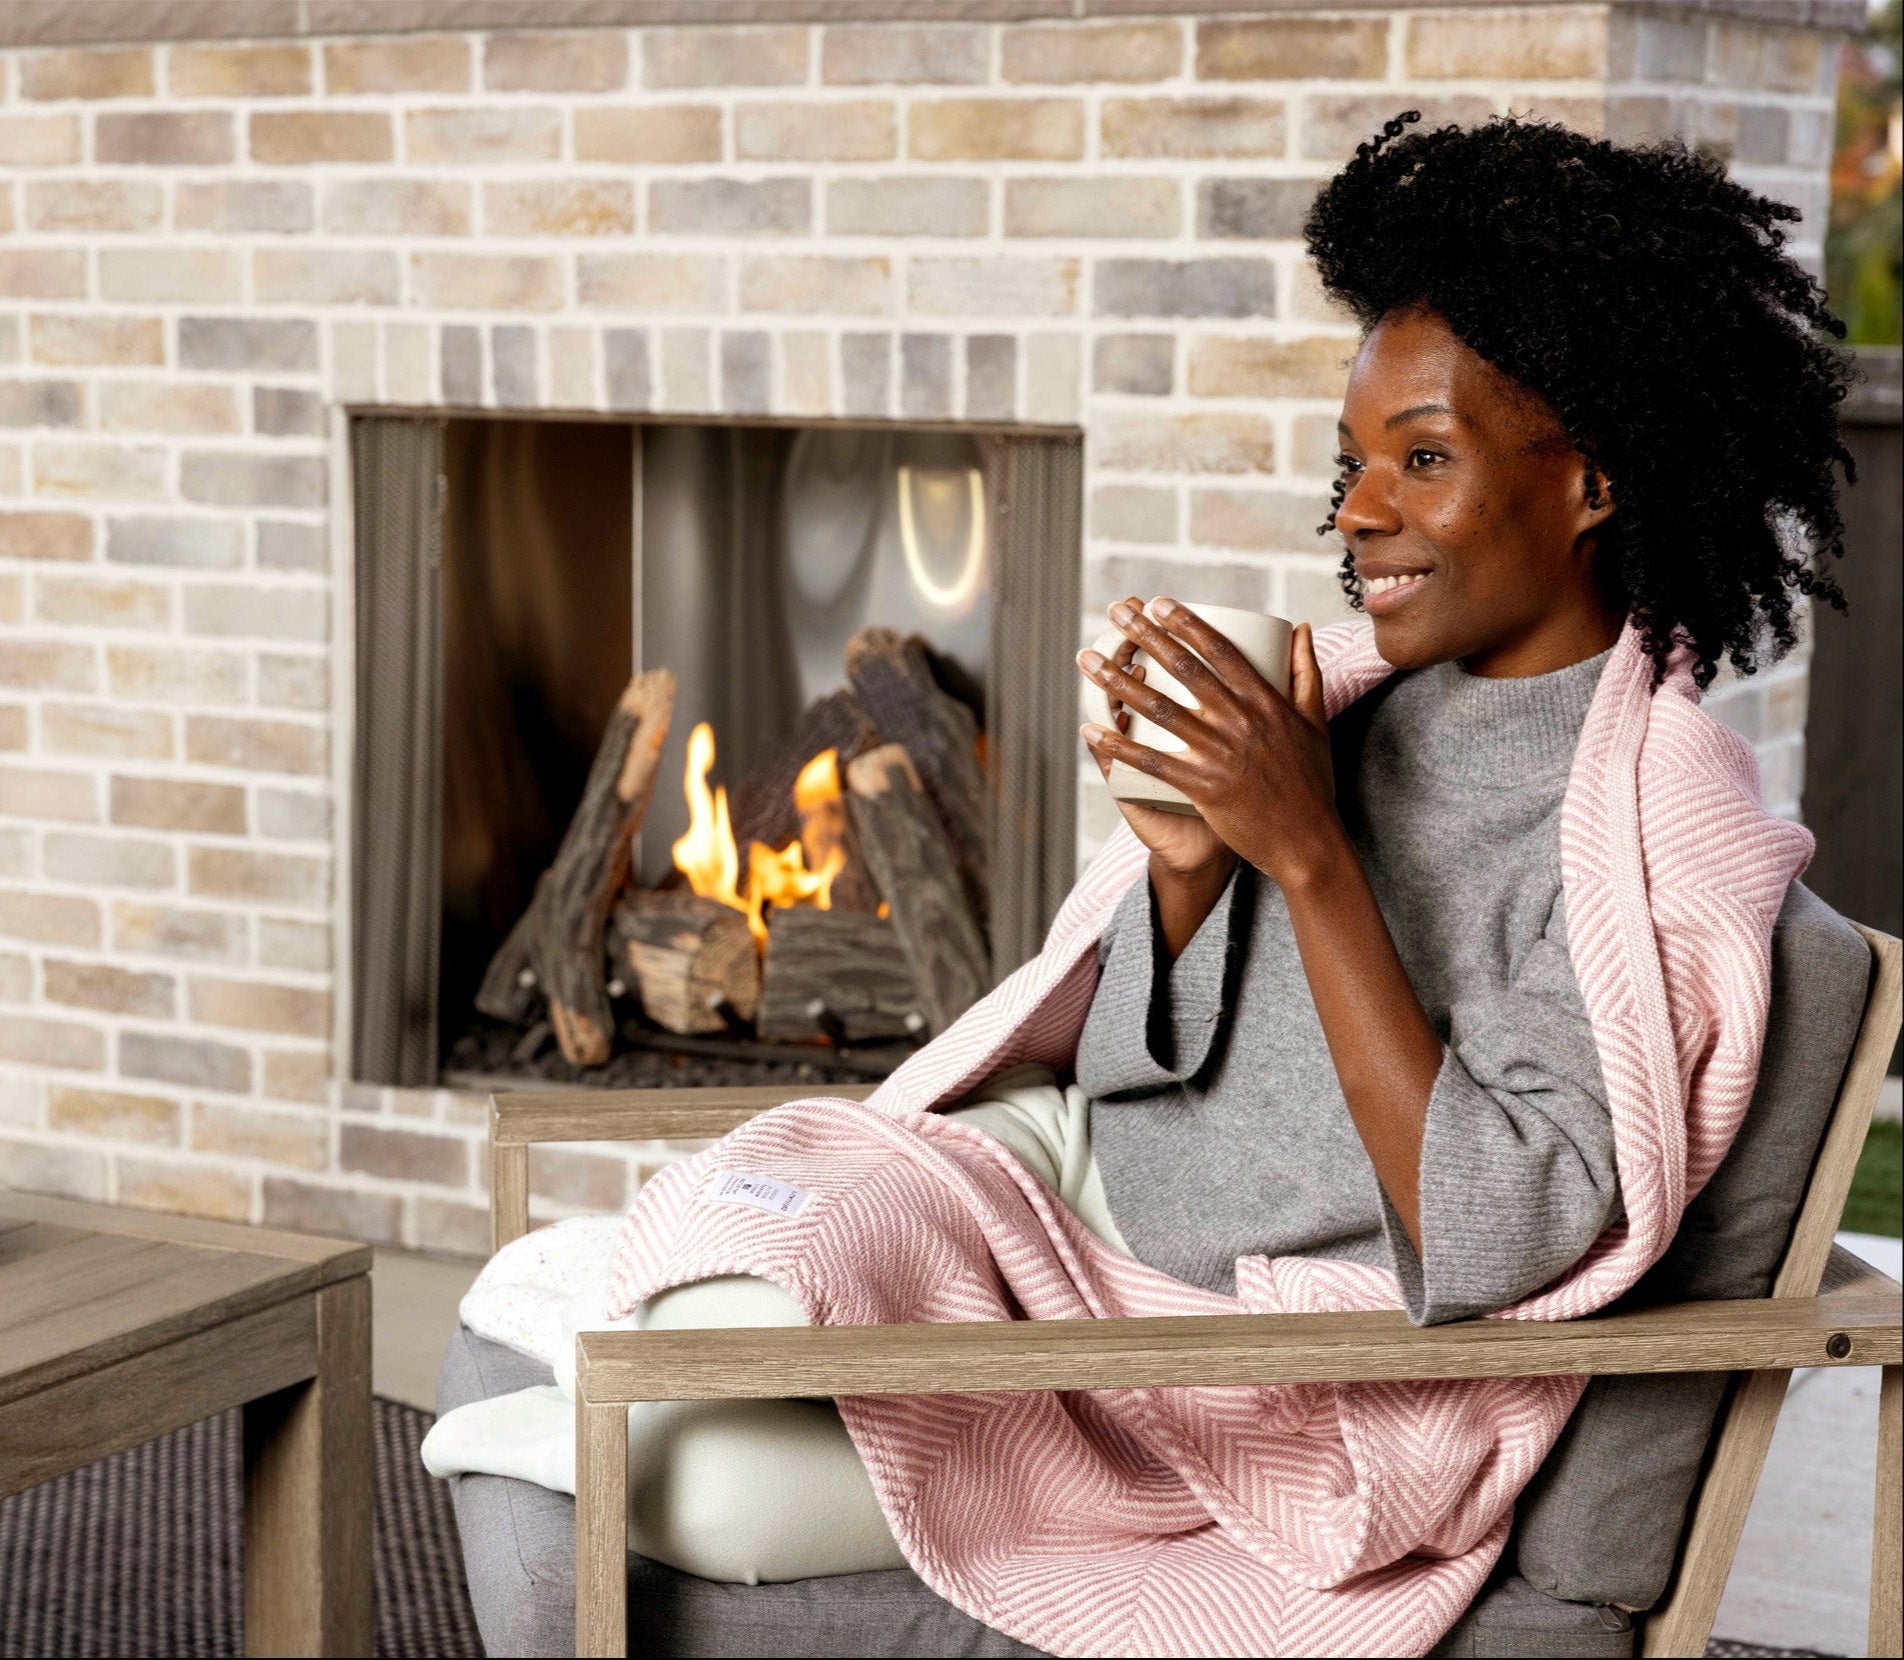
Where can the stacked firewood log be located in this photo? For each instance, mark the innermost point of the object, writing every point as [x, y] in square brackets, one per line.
[899, 955]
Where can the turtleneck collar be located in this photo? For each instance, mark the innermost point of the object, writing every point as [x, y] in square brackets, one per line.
[1495, 732]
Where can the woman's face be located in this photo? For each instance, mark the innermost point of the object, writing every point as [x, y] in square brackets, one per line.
[1464, 485]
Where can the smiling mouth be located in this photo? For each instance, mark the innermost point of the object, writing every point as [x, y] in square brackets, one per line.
[1383, 594]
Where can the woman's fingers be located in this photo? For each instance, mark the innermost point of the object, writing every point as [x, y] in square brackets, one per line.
[1088, 662]
[1305, 677]
[1110, 746]
[1190, 671]
[1129, 692]
[1123, 714]
[1212, 649]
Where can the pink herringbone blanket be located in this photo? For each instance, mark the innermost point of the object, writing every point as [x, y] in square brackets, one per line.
[1296, 1519]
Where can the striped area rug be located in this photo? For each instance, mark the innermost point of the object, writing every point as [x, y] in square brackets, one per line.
[138, 1554]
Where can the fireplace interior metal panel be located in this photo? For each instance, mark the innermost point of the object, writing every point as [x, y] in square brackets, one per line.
[538, 643]
[1037, 492]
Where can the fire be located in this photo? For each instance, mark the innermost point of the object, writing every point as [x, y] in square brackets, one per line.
[708, 857]
[818, 783]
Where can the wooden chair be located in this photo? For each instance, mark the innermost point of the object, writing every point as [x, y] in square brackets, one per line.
[1827, 1309]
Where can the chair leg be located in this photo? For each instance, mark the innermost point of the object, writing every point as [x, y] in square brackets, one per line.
[508, 1193]
[1887, 1533]
[601, 1527]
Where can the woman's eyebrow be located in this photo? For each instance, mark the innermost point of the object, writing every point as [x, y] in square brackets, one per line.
[1409, 414]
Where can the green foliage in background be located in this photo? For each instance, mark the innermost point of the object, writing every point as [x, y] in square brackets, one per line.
[1876, 1204]
[1862, 245]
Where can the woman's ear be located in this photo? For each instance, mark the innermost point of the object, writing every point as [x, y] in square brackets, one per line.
[1596, 499]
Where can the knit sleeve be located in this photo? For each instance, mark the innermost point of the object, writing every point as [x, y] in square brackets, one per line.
[1518, 1173]
[1152, 1022]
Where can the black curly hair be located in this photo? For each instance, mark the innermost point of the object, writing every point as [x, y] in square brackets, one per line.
[1650, 302]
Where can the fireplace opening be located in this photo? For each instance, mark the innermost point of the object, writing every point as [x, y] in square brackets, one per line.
[538, 594]
[697, 753]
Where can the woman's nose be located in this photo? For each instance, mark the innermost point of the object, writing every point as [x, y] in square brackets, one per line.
[1367, 509]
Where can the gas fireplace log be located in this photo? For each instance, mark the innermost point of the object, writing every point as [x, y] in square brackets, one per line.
[510, 988]
[690, 957]
[838, 974]
[913, 862]
[763, 802]
[825, 828]
[892, 678]
[559, 939]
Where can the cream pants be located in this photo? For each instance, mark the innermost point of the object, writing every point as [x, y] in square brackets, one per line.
[759, 1491]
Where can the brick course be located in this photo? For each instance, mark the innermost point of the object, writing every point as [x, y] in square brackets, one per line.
[219, 71]
[564, 62]
[1087, 224]
[112, 72]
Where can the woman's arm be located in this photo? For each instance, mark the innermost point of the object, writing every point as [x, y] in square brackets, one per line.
[1189, 865]
[1519, 1163]
[1185, 899]
[1386, 1052]
[1258, 767]
[1154, 1018]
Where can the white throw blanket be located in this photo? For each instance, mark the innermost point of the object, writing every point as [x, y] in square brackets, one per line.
[533, 1296]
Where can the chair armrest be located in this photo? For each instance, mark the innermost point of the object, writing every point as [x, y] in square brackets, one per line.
[518, 1119]
[1862, 1327]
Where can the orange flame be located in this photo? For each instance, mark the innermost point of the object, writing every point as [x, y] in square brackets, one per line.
[783, 879]
[708, 857]
[705, 855]
[818, 783]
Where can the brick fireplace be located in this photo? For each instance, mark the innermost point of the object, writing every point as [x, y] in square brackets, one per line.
[1073, 218]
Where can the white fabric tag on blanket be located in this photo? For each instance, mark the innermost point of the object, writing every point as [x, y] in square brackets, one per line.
[740, 1187]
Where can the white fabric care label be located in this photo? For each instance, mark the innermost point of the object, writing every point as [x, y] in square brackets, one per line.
[740, 1187]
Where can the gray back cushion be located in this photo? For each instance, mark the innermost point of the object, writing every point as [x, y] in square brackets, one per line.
[1600, 1522]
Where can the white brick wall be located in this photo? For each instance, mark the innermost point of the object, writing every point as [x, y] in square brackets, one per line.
[206, 250]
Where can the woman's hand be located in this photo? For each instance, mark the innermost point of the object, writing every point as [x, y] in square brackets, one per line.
[1182, 843]
[1256, 763]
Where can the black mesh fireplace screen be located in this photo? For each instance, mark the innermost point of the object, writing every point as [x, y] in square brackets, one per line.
[1036, 486]
[397, 495]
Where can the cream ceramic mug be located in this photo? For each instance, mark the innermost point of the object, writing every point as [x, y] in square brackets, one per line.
[1264, 640]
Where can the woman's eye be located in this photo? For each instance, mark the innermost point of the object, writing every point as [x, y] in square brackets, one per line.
[1424, 458]
[1347, 464]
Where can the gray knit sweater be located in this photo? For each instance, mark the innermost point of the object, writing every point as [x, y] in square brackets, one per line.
[1218, 1124]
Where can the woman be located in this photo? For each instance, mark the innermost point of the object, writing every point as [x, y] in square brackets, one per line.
[1587, 389]
[1334, 1032]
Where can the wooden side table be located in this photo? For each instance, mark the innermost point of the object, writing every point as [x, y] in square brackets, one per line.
[118, 1325]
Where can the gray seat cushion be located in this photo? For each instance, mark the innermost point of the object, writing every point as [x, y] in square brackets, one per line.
[518, 1538]
[1598, 1527]
[519, 1556]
